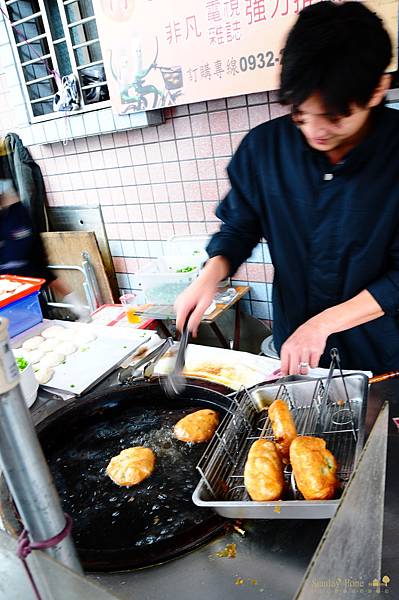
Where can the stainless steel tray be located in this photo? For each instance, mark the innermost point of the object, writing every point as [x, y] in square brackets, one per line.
[331, 408]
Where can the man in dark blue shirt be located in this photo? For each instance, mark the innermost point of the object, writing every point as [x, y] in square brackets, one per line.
[321, 185]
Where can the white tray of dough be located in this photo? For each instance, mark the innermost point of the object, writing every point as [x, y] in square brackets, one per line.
[73, 357]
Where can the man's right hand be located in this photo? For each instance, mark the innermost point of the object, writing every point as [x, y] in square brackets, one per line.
[199, 295]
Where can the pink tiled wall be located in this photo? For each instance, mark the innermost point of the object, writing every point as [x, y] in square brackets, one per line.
[162, 181]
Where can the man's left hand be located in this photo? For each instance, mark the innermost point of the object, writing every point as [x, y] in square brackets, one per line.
[303, 348]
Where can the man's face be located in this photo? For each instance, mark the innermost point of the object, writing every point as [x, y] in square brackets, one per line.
[327, 132]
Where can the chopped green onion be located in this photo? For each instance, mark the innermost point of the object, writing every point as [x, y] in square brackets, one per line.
[22, 363]
[185, 269]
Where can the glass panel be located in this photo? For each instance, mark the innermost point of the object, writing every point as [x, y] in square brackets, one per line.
[54, 19]
[42, 108]
[20, 10]
[79, 10]
[62, 54]
[97, 94]
[28, 29]
[88, 54]
[36, 70]
[90, 76]
[84, 33]
[42, 89]
[33, 49]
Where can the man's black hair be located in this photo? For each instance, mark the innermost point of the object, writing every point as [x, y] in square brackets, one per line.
[338, 50]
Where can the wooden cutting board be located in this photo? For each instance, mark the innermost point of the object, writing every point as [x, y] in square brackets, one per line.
[65, 248]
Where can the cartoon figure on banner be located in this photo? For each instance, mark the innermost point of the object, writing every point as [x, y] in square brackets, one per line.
[136, 94]
[126, 64]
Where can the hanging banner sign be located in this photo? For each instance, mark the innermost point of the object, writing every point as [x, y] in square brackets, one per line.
[159, 53]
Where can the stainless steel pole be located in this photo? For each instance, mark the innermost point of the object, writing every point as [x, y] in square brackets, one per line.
[23, 463]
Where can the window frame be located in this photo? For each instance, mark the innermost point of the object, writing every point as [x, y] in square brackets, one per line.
[85, 108]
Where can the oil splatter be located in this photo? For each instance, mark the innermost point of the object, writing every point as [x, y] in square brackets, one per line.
[238, 529]
[230, 551]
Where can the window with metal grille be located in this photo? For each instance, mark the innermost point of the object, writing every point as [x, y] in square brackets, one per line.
[55, 38]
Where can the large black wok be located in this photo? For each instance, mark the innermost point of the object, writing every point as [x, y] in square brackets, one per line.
[124, 528]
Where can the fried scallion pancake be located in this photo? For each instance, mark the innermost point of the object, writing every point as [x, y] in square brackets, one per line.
[283, 426]
[131, 466]
[263, 472]
[314, 468]
[197, 427]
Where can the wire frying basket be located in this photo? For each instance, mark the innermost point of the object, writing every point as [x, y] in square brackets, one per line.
[332, 408]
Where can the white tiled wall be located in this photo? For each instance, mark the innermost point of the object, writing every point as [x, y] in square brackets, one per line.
[72, 126]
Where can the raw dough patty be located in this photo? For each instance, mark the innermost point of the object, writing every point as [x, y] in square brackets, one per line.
[68, 334]
[44, 374]
[197, 427]
[66, 348]
[49, 345]
[34, 356]
[53, 331]
[51, 359]
[84, 337]
[131, 466]
[32, 343]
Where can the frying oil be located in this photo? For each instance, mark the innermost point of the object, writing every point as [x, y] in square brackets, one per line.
[107, 516]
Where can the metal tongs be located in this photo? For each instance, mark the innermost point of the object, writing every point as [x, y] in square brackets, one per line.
[148, 363]
[175, 382]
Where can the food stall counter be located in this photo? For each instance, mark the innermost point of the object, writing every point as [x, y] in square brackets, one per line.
[255, 558]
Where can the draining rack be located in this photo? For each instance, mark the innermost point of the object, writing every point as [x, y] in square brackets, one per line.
[332, 408]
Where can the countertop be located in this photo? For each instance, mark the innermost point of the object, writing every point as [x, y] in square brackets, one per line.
[272, 557]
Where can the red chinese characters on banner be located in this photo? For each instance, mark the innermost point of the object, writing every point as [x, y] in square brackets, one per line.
[214, 10]
[233, 31]
[255, 11]
[182, 30]
[282, 8]
[231, 9]
[192, 27]
[173, 32]
[224, 21]
[216, 36]
[224, 34]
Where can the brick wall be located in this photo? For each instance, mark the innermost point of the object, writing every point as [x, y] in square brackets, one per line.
[160, 181]
[151, 183]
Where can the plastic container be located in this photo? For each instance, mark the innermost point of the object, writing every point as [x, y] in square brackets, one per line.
[189, 248]
[161, 282]
[165, 278]
[129, 302]
[192, 247]
[28, 382]
[22, 314]
[27, 287]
